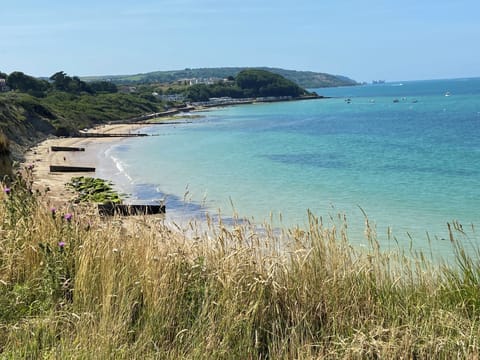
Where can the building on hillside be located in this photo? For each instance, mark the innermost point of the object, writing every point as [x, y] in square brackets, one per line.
[127, 89]
[3, 85]
[195, 81]
[170, 97]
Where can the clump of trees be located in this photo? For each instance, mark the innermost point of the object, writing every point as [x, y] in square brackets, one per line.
[265, 83]
[17, 80]
[248, 83]
[59, 81]
[63, 82]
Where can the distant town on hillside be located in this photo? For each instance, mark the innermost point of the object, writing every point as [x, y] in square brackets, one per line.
[305, 79]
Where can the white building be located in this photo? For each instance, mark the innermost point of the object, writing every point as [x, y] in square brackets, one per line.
[171, 97]
[3, 85]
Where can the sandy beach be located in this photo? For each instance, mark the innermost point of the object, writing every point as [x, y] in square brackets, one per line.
[41, 157]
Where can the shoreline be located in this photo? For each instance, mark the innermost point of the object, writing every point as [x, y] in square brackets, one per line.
[178, 212]
[41, 157]
[60, 196]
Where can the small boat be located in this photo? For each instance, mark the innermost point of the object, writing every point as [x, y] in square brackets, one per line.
[396, 100]
[447, 93]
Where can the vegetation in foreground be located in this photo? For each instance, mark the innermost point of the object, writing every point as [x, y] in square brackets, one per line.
[93, 190]
[76, 286]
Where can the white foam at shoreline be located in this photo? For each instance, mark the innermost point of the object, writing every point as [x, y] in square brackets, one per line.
[110, 168]
[121, 168]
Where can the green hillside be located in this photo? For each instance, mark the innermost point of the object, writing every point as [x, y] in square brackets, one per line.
[36, 108]
[250, 83]
[305, 79]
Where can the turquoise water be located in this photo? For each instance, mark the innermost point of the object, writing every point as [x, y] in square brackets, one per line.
[412, 165]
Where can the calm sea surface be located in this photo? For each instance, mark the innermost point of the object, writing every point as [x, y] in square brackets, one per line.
[405, 153]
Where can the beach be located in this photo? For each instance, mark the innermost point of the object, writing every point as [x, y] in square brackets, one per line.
[41, 157]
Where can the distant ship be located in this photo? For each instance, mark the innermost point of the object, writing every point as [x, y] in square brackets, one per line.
[447, 93]
[375, 82]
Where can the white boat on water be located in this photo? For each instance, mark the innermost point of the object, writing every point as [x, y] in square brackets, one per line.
[447, 93]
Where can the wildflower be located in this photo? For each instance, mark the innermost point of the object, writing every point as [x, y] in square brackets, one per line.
[53, 211]
[61, 244]
[30, 166]
[7, 190]
[68, 216]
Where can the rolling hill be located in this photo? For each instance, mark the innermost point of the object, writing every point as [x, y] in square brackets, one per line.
[305, 79]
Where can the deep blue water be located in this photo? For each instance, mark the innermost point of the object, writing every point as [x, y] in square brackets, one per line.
[403, 152]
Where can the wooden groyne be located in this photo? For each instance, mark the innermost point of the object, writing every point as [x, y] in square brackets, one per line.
[66, 168]
[107, 135]
[67, 148]
[130, 209]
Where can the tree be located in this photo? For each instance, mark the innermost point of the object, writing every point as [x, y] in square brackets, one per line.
[264, 83]
[17, 80]
[103, 86]
[60, 81]
[198, 92]
[63, 82]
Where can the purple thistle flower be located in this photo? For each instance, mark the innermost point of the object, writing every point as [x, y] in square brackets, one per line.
[68, 216]
[61, 244]
[7, 190]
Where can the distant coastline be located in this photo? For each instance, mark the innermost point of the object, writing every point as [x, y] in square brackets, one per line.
[306, 79]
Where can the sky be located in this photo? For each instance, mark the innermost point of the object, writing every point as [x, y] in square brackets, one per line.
[364, 40]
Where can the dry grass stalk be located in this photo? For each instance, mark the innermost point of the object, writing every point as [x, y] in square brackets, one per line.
[83, 287]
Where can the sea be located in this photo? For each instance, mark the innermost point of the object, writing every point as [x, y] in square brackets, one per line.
[404, 155]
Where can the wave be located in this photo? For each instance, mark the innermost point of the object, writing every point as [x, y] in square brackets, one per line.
[121, 168]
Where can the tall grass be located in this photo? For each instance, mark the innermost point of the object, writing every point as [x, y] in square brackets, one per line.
[85, 287]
